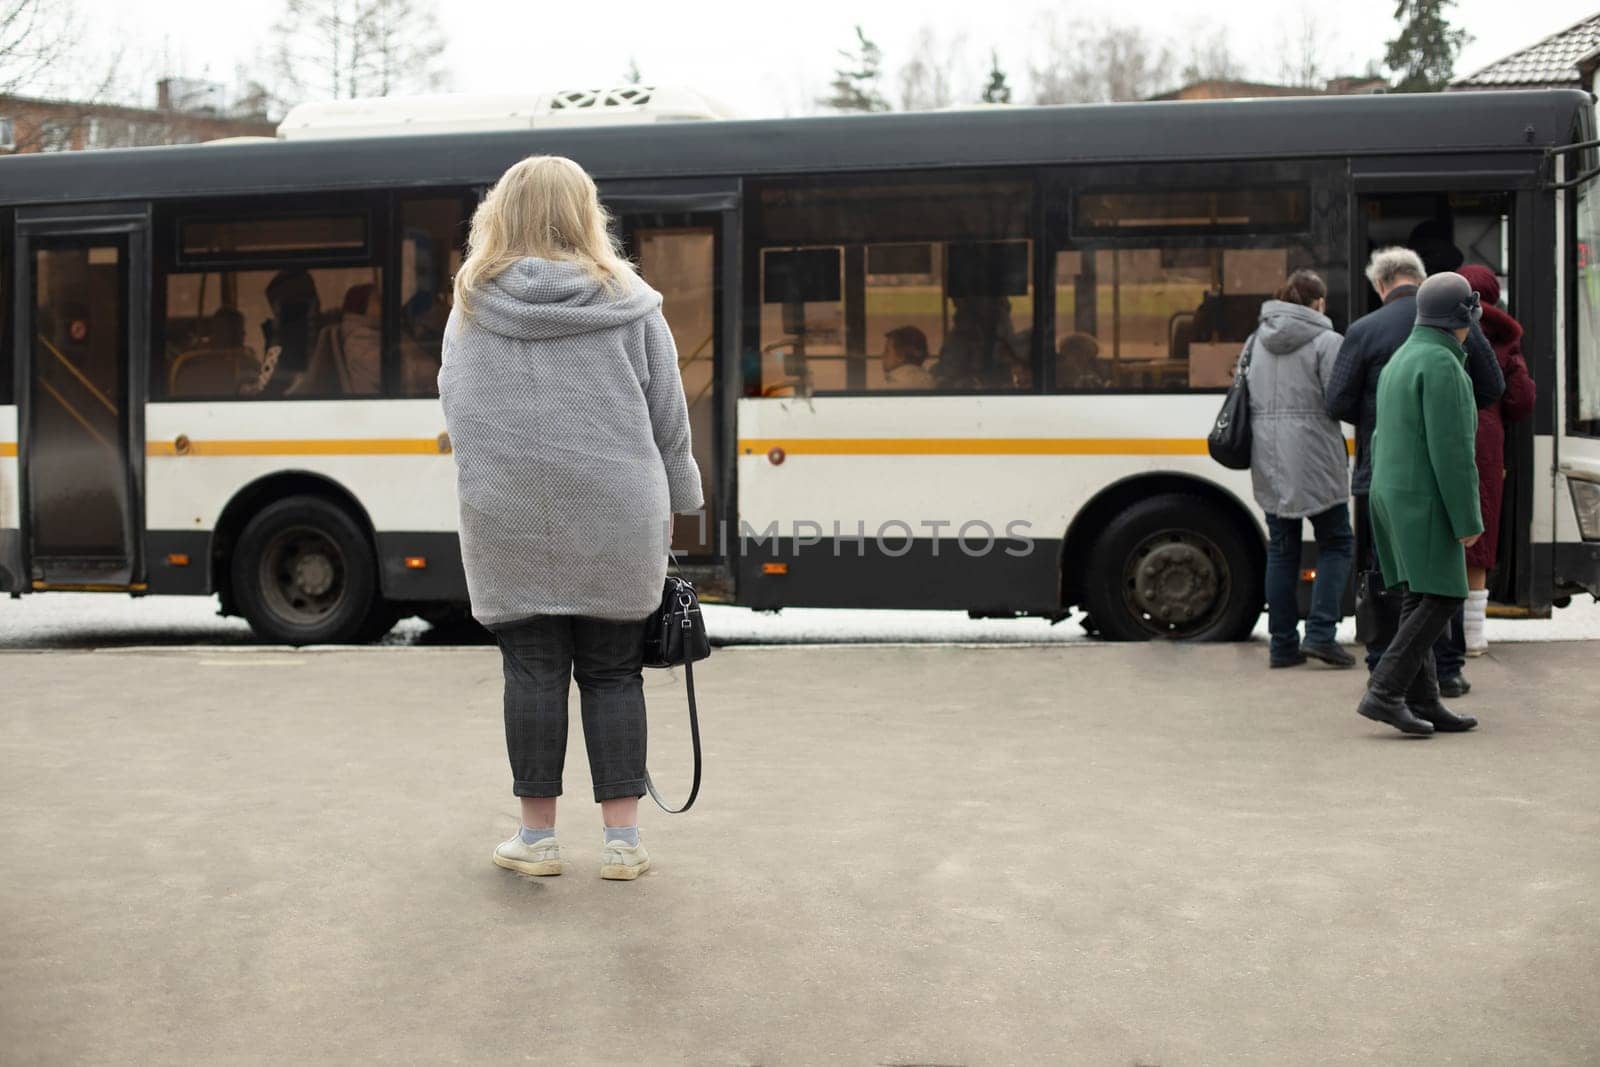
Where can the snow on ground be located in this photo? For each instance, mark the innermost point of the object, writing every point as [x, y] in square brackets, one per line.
[89, 620]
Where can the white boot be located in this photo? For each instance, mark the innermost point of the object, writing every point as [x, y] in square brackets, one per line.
[1473, 613]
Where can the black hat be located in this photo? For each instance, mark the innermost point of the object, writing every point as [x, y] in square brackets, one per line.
[1447, 301]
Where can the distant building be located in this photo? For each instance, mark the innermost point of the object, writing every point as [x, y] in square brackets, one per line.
[186, 111]
[1563, 60]
[1218, 89]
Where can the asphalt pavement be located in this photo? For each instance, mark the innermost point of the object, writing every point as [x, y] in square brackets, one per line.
[1084, 853]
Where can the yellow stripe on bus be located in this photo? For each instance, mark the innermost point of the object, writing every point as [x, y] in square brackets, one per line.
[355, 446]
[978, 446]
[8, 449]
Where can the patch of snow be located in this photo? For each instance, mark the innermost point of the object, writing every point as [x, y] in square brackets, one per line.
[92, 620]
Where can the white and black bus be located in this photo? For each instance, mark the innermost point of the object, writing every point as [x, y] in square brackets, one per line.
[217, 362]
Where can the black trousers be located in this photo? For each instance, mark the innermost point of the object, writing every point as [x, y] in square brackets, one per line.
[541, 657]
[1407, 668]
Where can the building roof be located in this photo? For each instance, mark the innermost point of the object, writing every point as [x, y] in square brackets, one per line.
[1551, 63]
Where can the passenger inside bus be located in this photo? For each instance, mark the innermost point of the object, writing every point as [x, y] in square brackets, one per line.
[347, 359]
[219, 361]
[1078, 363]
[980, 351]
[905, 359]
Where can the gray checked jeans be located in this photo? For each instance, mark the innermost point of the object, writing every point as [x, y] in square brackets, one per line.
[541, 656]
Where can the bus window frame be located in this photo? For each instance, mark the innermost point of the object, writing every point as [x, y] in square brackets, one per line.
[165, 262]
[10, 387]
[1061, 186]
[1571, 367]
[754, 244]
[469, 196]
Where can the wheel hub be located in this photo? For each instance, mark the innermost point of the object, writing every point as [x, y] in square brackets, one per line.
[313, 574]
[1175, 583]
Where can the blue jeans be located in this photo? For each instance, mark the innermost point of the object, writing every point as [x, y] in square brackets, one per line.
[1335, 551]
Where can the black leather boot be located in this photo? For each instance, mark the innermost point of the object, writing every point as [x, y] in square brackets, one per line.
[1444, 720]
[1391, 708]
[1422, 699]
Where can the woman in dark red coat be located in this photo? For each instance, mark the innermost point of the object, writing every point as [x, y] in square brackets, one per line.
[1505, 334]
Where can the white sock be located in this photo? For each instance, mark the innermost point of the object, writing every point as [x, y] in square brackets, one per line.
[627, 835]
[1473, 615]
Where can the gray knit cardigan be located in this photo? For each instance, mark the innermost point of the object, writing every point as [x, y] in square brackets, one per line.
[571, 439]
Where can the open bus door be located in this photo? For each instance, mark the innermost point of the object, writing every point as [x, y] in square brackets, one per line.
[682, 236]
[1451, 219]
[1574, 532]
[81, 320]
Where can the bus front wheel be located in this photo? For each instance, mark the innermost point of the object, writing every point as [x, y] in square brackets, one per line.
[1173, 566]
[304, 574]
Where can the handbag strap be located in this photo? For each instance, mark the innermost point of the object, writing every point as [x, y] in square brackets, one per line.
[694, 738]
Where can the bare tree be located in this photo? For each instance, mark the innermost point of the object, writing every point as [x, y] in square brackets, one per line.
[349, 48]
[1211, 59]
[1084, 63]
[1302, 51]
[928, 80]
[35, 39]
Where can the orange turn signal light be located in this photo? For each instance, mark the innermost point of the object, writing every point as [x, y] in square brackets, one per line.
[177, 559]
[774, 568]
[1308, 576]
[416, 563]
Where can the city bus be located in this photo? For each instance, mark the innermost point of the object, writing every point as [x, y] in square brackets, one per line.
[218, 372]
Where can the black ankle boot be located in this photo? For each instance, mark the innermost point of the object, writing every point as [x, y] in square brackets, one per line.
[1384, 708]
[1443, 719]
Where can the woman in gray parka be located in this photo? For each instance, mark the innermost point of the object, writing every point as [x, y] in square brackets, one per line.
[1300, 468]
[571, 437]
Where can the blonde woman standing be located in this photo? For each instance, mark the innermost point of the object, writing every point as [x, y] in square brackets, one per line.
[571, 436]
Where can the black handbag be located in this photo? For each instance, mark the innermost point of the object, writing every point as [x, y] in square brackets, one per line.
[676, 636]
[1230, 438]
[1377, 608]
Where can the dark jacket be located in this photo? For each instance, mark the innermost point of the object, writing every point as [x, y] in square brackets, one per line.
[1353, 390]
[1424, 481]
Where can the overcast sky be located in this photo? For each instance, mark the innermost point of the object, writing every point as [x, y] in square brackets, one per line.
[772, 58]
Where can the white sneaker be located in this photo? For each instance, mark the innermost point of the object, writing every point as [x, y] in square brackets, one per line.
[621, 863]
[538, 859]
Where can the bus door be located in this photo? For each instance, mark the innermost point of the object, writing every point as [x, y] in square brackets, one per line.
[1575, 523]
[681, 235]
[81, 322]
[1451, 219]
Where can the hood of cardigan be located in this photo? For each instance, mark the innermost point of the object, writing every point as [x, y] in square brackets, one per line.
[538, 299]
[1287, 327]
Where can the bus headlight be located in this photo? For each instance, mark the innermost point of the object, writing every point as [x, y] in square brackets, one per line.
[1586, 502]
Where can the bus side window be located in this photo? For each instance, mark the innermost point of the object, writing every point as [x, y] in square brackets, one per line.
[1163, 287]
[432, 243]
[268, 334]
[917, 284]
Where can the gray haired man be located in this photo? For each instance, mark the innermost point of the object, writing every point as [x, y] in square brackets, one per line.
[1352, 396]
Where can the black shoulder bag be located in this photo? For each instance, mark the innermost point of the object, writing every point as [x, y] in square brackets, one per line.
[1230, 438]
[674, 635]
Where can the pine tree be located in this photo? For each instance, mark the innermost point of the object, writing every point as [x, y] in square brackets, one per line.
[855, 85]
[632, 76]
[1423, 56]
[996, 91]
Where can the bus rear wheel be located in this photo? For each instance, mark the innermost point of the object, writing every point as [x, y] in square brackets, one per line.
[1174, 566]
[304, 574]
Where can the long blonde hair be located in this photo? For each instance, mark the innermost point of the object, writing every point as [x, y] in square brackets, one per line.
[544, 206]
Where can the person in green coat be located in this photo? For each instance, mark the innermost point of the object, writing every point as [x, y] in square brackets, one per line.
[1424, 502]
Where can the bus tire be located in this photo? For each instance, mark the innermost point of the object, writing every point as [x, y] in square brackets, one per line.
[1174, 566]
[303, 573]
